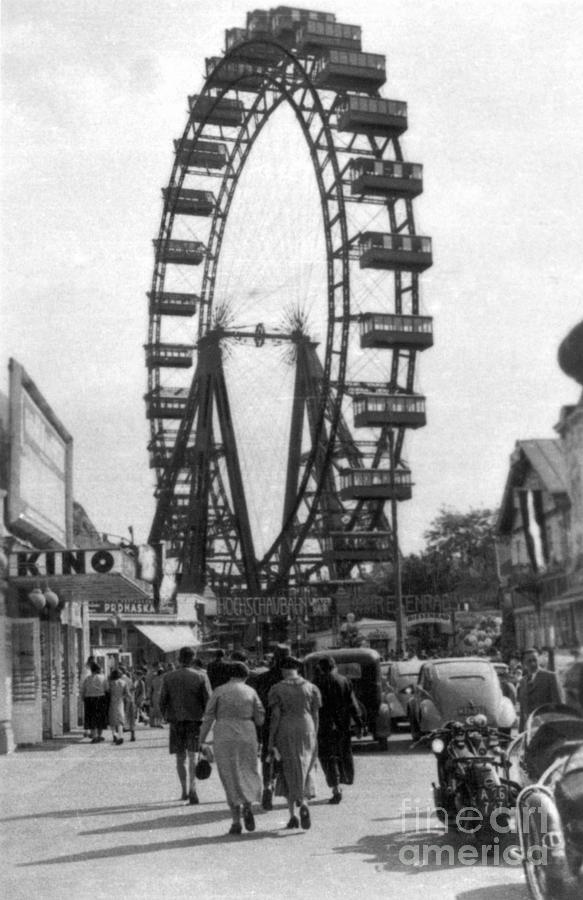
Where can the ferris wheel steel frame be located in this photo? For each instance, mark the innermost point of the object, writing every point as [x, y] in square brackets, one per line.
[282, 80]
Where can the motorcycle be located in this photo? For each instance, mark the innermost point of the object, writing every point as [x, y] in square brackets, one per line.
[549, 812]
[474, 793]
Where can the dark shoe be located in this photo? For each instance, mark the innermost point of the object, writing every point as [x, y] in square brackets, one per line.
[305, 820]
[335, 798]
[94, 740]
[293, 822]
[100, 740]
[267, 799]
[235, 828]
[193, 798]
[133, 737]
[184, 795]
[248, 818]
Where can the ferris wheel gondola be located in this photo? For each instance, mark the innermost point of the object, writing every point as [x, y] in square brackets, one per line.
[265, 498]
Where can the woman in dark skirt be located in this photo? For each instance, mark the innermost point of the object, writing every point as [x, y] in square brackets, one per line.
[95, 700]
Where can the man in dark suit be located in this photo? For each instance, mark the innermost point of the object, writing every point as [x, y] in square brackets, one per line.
[339, 708]
[538, 686]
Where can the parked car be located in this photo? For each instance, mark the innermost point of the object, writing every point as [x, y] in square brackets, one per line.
[363, 667]
[455, 688]
[399, 680]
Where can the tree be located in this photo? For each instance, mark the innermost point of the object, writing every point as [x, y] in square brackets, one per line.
[460, 548]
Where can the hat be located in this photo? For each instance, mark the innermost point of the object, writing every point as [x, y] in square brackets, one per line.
[238, 669]
[281, 651]
[290, 662]
[326, 664]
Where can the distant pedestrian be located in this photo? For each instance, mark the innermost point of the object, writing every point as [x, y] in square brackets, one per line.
[86, 727]
[184, 696]
[95, 702]
[140, 696]
[149, 675]
[118, 694]
[218, 670]
[236, 710]
[263, 684]
[339, 709]
[130, 709]
[294, 704]
[155, 690]
[574, 681]
[537, 688]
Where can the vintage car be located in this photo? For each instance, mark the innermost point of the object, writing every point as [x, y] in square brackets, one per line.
[455, 688]
[363, 667]
[399, 678]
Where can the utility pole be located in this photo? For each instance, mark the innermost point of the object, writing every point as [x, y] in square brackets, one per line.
[397, 582]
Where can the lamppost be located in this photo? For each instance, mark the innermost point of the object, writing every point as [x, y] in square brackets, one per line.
[397, 580]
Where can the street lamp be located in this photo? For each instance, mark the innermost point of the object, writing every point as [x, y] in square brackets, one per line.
[400, 618]
[51, 598]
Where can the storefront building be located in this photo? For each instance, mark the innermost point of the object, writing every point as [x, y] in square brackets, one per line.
[66, 591]
[540, 527]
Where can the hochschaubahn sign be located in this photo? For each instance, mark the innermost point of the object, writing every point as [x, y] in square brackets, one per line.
[248, 607]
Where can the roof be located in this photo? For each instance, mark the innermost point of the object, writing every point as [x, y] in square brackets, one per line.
[546, 457]
[168, 637]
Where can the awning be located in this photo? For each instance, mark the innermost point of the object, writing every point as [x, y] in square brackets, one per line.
[169, 637]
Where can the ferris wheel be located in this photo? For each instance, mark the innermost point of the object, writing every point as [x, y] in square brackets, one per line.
[285, 314]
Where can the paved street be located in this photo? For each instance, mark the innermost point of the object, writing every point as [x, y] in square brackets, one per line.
[98, 821]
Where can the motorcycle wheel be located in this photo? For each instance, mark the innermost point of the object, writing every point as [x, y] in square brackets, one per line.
[542, 883]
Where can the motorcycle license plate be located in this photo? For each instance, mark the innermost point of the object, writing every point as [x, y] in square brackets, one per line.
[470, 710]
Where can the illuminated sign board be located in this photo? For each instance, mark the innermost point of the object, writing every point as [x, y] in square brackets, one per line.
[40, 502]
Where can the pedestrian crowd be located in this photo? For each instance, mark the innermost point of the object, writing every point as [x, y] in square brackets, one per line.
[265, 730]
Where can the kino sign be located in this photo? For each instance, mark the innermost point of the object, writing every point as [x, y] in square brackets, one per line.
[41, 563]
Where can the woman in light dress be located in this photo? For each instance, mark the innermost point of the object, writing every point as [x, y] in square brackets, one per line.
[118, 695]
[235, 711]
[293, 704]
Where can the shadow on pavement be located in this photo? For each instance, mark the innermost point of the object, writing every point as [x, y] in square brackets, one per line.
[397, 745]
[184, 820]
[55, 744]
[421, 852]
[496, 892]
[160, 847]
[79, 811]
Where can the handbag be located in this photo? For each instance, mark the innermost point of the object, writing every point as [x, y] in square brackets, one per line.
[203, 768]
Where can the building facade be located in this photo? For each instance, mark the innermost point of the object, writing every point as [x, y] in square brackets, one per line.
[540, 526]
[66, 591]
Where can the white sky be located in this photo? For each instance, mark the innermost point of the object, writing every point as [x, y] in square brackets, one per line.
[95, 92]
